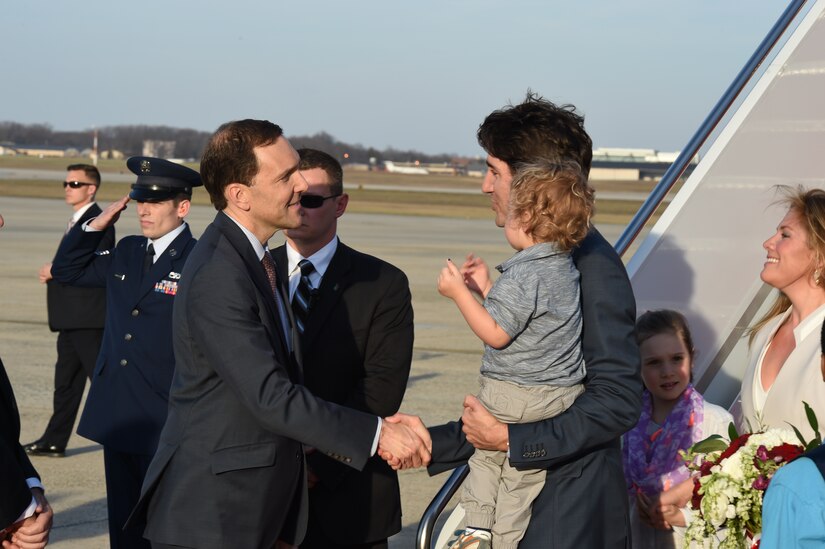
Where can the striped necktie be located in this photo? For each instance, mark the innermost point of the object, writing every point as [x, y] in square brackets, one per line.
[302, 300]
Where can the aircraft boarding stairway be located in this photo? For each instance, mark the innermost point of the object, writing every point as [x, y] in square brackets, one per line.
[704, 255]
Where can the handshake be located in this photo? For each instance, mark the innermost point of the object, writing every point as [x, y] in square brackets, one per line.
[404, 442]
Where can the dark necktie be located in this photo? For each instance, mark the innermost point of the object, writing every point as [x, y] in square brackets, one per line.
[149, 258]
[271, 272]
[302, 300]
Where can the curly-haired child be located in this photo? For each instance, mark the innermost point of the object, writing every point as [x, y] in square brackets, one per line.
[530, 322]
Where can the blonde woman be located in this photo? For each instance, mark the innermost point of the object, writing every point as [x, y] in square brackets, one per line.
[784, 360]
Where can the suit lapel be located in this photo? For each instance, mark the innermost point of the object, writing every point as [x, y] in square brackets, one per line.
[93, 211]
[238, 239]
[281, 265]
[333, 283]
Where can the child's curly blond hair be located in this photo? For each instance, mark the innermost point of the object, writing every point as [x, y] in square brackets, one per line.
[553, 202]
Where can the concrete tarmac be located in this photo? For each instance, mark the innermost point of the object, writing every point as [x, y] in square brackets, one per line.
[444, 369]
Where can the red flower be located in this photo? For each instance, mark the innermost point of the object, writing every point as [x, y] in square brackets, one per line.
[785, 452]
[734, 446]
[761, 483]
[697, 498]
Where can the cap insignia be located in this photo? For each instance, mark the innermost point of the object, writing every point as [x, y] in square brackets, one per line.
[145, 166]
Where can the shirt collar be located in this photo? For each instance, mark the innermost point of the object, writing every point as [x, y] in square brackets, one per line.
[536, 251]
[79, 213]
[812, 322]
[320, 259]
[253, 240]
[163, 242]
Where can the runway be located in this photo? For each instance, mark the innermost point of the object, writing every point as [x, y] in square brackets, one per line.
[444, 369]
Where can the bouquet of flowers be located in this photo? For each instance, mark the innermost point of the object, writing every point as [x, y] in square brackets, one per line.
[732, 479]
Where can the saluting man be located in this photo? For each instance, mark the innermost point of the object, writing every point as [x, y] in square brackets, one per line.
[126, 407]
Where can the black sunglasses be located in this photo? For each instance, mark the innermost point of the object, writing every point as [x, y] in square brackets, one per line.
[312, 201]
[77, 184]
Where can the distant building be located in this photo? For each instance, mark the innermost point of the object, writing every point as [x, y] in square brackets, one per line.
[112, 154]
[159, 149]
[41, 151]
[632, 164]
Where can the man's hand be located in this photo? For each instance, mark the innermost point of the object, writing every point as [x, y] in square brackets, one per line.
[476, 275]
[405, 442]
[45, 273]
[33, 532]
[657, 515]
[110, 215]
[483, 430]
[450, 281]
[663, 510]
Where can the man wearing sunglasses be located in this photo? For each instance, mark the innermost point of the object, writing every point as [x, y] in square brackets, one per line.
[77, 315]
[128, 401]
[356, 323]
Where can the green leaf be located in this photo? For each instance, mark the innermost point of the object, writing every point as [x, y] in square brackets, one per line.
[732, 433]
[812, 421]
[798, 435]
[713, 443]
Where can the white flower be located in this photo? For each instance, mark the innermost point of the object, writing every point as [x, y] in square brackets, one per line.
[730, 506]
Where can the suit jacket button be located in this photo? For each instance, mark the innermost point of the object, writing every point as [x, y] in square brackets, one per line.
[128, 337]
[135, 312]
[124, 362]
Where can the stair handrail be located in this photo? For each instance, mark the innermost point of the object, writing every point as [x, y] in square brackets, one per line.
[671, 176]
[675, 171]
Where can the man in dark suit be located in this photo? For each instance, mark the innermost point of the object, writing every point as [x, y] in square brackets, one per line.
[77, 314]
[584, 500]
[128, 399]
[229, 470]
[356, 323]
[25, 515]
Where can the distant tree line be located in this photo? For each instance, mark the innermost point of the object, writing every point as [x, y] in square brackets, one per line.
[190, 143]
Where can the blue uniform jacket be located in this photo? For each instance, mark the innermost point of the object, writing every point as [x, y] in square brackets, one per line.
[127, 403]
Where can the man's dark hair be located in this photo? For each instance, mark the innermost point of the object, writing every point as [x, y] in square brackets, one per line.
[313, 158]
[536, 130]
[229, 156]
[90, 171]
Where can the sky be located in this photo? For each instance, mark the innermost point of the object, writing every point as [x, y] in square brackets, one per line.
[409, 75]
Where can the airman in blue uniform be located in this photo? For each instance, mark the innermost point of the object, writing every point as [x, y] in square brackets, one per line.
[127, 403]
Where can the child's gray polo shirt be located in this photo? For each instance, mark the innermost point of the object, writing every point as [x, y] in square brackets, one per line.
[536, 301]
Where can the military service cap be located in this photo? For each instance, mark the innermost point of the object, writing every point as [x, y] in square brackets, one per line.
[160, 179]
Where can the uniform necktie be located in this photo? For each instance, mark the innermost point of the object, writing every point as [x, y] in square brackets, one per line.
[302, 300]
[70, 225]
[149, 258]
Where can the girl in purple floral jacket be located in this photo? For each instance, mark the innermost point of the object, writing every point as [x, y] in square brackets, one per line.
[674, 417]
